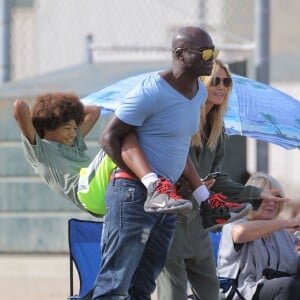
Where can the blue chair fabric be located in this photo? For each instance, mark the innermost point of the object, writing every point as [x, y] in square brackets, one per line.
[85, 252]
[225, 283]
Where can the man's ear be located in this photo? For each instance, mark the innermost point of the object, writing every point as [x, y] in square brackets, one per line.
[178, 53]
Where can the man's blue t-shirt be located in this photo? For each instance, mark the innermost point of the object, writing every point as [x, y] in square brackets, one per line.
[165, 121]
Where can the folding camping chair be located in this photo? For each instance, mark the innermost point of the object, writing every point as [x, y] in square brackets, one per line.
[226, 284]
[85, 253]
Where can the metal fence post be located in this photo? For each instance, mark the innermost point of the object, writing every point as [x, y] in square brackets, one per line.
[89, 51]
[262, 58]
[4, 40]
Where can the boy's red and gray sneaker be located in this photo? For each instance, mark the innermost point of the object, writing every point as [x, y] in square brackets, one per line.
[216, 211]
[162, 198]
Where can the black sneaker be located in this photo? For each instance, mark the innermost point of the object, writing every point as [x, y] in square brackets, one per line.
[162, 198]
[216, 212]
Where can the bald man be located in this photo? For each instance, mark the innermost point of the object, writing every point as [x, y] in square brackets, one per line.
[164, 111]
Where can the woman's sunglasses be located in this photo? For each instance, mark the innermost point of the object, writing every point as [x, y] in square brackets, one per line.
[227, 81]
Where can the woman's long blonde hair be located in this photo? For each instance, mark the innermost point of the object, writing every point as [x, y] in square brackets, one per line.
[215, 117]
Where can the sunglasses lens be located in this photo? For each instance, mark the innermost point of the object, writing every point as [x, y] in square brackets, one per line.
[227, 82]
[207, 54]
[216, 53]
[217, 80]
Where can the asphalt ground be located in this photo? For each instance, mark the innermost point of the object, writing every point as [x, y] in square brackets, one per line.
[36, 277]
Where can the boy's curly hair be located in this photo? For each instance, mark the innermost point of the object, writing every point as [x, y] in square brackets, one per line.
[54, 109]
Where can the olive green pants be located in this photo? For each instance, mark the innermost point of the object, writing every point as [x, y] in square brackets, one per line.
[190, 259]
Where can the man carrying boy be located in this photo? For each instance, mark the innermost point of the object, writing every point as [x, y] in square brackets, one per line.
[164, 112]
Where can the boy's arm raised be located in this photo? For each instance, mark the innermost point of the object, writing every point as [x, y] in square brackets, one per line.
[22, 116]
[91, 115]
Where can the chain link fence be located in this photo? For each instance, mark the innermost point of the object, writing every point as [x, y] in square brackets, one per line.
[48, 35]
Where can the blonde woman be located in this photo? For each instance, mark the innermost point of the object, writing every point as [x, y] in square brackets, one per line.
[190, 257]
[259, 252]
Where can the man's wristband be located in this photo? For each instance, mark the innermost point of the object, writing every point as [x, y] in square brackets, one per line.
[201, 193]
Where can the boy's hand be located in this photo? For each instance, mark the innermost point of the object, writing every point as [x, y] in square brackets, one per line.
[21, 113]
[183, 187]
